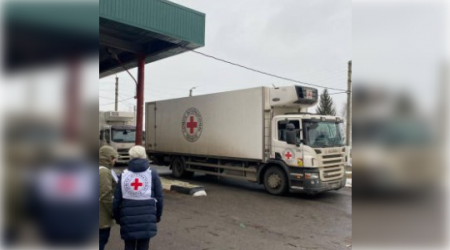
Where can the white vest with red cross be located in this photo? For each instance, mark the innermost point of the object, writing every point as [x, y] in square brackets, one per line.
[137, 186]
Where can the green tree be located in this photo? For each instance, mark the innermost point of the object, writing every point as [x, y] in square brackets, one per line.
[326, 106]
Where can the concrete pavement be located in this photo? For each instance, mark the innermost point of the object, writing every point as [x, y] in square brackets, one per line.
[241, 215]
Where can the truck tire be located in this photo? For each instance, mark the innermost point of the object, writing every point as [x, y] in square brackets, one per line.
[275, 181]
[178, 167]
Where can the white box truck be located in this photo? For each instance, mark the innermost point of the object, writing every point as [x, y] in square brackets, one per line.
[261, 135]
[117, 129]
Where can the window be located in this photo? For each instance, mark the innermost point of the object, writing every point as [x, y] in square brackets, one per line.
[282, 129]
[123, 135]
[322, 134]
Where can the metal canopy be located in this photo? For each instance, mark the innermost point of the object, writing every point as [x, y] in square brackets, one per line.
[41, 33]
[155, 29]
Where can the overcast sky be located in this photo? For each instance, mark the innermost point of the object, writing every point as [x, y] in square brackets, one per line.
[400, 48]
[308, 40]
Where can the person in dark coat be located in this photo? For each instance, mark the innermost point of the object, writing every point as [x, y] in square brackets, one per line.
[61, 198]
[138, 201]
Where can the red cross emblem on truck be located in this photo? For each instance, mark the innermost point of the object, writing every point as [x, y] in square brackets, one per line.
[288, 155]
[191, 125]
[136, 184]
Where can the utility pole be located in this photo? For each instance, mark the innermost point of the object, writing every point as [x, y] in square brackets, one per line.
[349, 104]
[190, 91]
[116, 98]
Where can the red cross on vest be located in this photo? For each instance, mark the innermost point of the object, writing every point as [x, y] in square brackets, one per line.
[66, 184]
[192, 125]
[136, 184]
[288, 155]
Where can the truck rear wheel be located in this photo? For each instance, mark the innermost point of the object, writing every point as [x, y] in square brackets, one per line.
[275, 181]
[178, 166]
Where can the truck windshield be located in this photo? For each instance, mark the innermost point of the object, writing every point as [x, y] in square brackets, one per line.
[123, 135]
[322, 134]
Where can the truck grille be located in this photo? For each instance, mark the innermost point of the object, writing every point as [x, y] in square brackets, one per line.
[123, 154]
[331, 156]
[122, 150]
[333, 167]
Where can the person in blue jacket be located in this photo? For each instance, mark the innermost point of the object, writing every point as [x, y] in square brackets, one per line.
[138, 201]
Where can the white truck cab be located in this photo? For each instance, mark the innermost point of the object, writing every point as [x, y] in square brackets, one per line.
[317, 146]
[117, 130]
[314, 142]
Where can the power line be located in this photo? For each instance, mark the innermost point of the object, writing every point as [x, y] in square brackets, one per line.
[328, 78]
[122, 98]
[119, 100]
[122, 101]
[107, 104]
[322, 74]
[106, 98]
[128, 105]
[262, 72]
[343, 92]
[127, 99]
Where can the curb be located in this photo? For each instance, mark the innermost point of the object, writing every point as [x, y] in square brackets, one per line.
[186, 190]
[180, 187]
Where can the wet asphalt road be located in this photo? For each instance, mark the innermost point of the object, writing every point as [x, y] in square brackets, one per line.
[240, 215]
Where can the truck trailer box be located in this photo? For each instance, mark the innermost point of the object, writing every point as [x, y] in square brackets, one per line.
[229, 124]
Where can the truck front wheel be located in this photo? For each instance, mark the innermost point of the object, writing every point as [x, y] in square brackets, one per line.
[178, 167]
[275, 181]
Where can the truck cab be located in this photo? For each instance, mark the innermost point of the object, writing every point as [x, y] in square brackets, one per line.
[312, 148]
[117, 130]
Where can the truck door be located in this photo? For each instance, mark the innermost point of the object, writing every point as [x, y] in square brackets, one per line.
[280, 148]
[150, 131]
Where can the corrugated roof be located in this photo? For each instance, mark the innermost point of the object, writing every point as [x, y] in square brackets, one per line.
[37, 33]
[163, 17]
[156, 28]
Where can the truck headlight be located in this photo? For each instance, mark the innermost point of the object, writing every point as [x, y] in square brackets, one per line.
[310, 176]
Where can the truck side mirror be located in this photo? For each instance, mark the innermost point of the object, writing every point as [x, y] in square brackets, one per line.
[107, 136]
